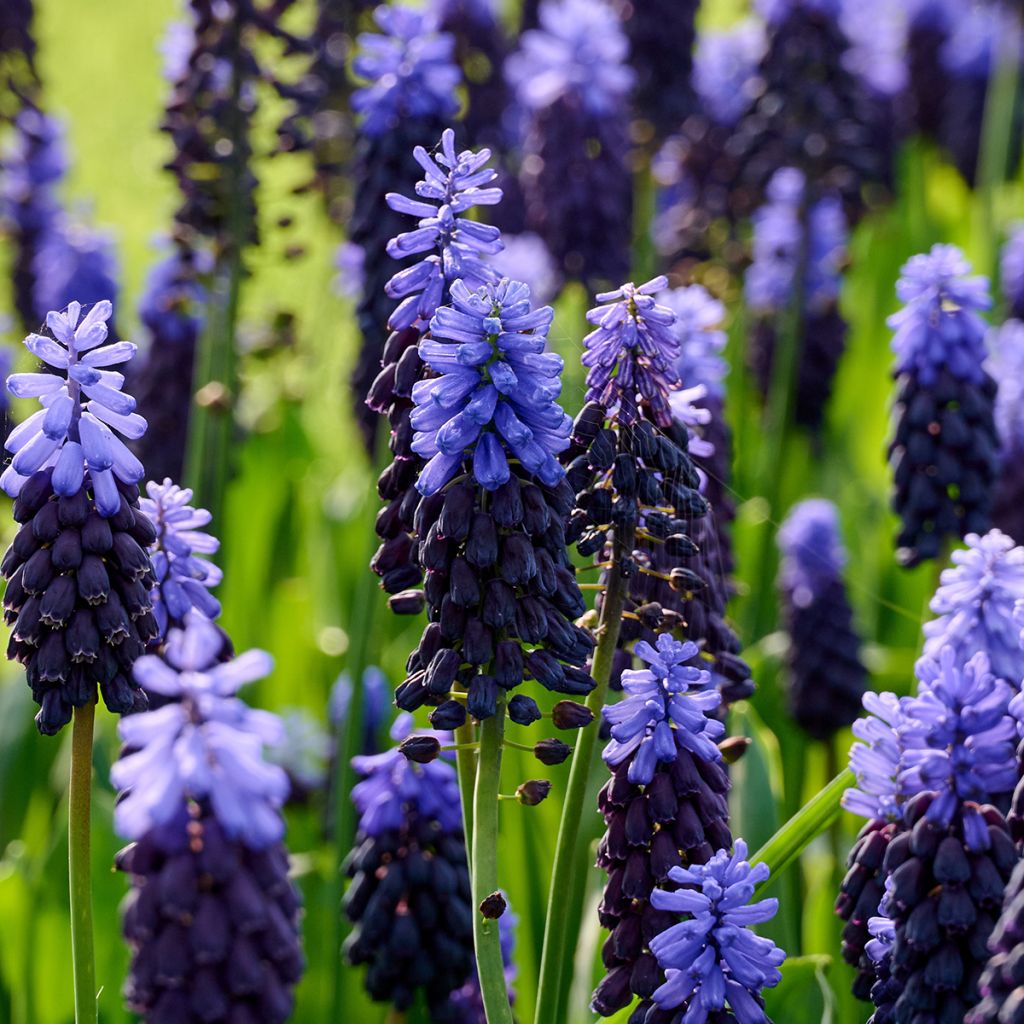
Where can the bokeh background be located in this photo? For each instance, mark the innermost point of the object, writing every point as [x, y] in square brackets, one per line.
[297, 535]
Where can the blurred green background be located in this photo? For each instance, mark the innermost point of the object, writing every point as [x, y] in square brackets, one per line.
[297, 535]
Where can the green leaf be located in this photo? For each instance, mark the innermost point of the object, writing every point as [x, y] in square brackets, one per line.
[804, 995]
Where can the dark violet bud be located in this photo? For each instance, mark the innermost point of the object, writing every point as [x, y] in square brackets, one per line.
[450, 716]
[827, 677]
[523, 710]
[494, 905]
[533, 792]
[733, 748]
[421, 749]
[567, 714]
[1002, 984]
[944, 452]
[551, 751]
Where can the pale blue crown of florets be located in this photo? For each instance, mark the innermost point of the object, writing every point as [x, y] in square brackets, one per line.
[725, 67]
[812, 550]
[496, 393]
[205, 745]
[1005, 364]
[778, 246]
[712, 960]
[975, 604]
[409, 68]
[453, 184]
[183, 577]
[393, 787]
[958, 740]
[81, 402]
[579, 53]
[697, 327]
[633, 348]
[667, 707]
[939, 328]
[877, 758]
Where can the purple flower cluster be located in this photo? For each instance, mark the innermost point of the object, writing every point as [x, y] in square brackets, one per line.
[712, 959]
[725, 69]
[1011, 272]
[496, 393]
[1005, 364]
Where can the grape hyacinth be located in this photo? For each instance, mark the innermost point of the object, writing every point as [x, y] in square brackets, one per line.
[78, 574]
[975, 605]
[171, 311]
[664, 805]
[791, 231]
[1001, 985]
[944, 452]
[408, 93]
[1005, 364]
[711, 959]
[1011, 272]
[409, 895]
[212, 916]
[638, 501]
[500, 588]
[571, 80]
[454, 183]
[826, 676]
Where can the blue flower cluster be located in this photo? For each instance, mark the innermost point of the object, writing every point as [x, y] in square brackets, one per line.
[206, 745]
[578, 53]
[1011, 271]
[939, 328]
[975, 605]
[496, 393]
[633, 350]
[725, 69]
[667, 708]
[408, 68]
[698, 319]
[454, 183]
[712, 960]
[81, 402]
[812, 550]
[184, 577]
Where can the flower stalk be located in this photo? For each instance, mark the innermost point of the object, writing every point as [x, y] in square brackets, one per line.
[83, 955]
[558, 926]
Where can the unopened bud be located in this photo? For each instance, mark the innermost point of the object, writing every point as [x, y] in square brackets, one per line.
[734, 748]
[421, 749]
[493, 906]
[551, 751]
[533, 791]
[567, 714]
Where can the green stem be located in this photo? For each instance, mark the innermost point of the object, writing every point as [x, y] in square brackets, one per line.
[465, 767]
[484, 872]
[806, 825]
[83, 956]
[558, 926]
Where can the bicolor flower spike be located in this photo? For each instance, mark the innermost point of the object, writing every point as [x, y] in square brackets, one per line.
[83, 405]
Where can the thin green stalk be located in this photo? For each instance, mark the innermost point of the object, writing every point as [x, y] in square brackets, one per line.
[83, 955]
[484, 871]
[806, 825]
[558, 926]
[465, 767]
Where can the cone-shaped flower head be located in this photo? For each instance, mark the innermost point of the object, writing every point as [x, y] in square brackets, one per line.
[666, 708]
[1006, 365]
[939, 327]
[827, 677]
[958, 740]
[81, 403]
[579, 53]
[633, 350]
[712, 960]
[184, 577]
[877, 758]
[205, 746]
[975, 603]
[74, 261]
[725, 69]
[496, 393]
[697, 327]
[454, 183]
[408, 68]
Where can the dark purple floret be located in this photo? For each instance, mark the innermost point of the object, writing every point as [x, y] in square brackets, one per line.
[409, 894]
[1002, 984]
[945, 451]
[827, 677]
[78, 572]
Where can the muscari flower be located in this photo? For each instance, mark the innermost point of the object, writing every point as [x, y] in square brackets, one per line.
[571, 82]
[1011, 272]
[73, 262]
[725, 69]
[884, 989]
[827, 676]
[376, 706]
[212, 917]
[496, 393]
[1005, 364]
[664, 806]
[78, 572]
[975, 605]
[408, 99]
[1001, 985]
[944, 452]
[711, 959]
[409, 895]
